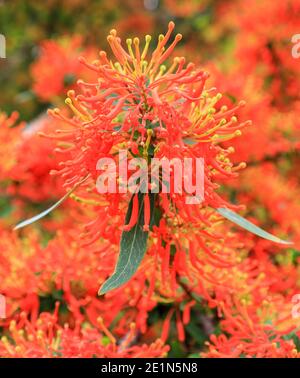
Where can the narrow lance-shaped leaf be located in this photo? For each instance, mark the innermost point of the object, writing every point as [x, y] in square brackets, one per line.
[132, 247]
[47, 211]
[244, 223]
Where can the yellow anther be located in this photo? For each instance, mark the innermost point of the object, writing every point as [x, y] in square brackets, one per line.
[136, 42]
[129, 46]
[144, 65]
[162, 70]
[69, 102]
[149, 135]
[147, 40]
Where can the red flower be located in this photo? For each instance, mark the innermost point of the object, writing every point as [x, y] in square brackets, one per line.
[58, 68]
[140, 104]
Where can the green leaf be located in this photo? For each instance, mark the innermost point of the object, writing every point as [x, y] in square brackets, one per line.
[189, 141]
[46, 212]
[244, 223]
[132, 247]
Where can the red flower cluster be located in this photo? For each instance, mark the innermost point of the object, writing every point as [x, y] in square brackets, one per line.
[46, 338]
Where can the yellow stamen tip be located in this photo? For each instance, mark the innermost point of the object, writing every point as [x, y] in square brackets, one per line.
[149, 132]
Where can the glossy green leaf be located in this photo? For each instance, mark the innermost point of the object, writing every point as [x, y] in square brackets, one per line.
[244, 223]
[189, 141]
[132, 247]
